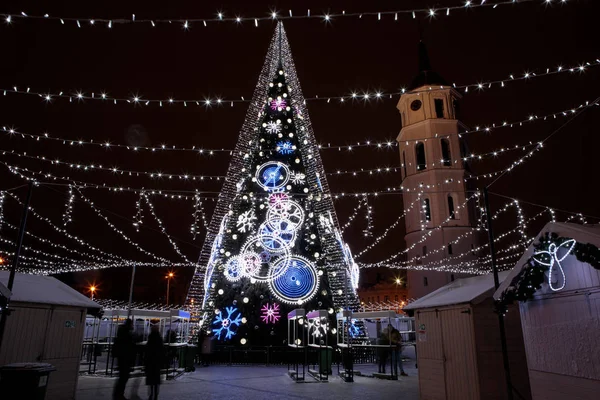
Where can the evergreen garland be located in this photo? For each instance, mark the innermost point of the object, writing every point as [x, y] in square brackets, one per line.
[530, 279]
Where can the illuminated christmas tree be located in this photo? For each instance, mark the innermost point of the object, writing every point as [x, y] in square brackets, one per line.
[274, 242]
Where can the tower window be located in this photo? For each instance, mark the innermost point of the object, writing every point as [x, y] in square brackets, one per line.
[424, 250]
[404, 162]
[446, 157]
[451, 207]
[420, 152]
[425, 283]
[439, 108]
[427, 210]
[451, 277]
[449, 249]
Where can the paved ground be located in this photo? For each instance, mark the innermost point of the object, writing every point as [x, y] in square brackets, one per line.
[258, 382]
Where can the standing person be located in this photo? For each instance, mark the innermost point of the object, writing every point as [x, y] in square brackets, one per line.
[124, 350]
[396, 340]
[153, 361]
[382, 352]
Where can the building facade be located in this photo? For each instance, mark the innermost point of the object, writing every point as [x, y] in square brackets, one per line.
[440, 222]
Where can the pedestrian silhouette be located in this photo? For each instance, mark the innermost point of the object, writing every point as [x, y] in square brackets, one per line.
[124, 351]
[153, 361]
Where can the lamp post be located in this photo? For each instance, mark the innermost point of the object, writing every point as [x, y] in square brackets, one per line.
[169, 276]
[92, 291]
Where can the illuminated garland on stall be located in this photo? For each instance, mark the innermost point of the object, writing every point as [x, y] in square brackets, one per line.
[533, 274]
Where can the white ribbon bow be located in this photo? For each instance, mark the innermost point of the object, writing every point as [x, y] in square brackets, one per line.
[556, 260]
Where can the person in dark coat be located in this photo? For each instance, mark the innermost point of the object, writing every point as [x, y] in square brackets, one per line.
[153, 361]
[124, 351]
[383, 341]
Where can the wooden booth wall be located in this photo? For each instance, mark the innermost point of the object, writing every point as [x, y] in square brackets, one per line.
[49, 334]
[459, 353]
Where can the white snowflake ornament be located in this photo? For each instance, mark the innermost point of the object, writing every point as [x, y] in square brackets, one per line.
[245, 221]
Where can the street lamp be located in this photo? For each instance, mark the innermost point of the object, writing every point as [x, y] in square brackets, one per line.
[92, 291]
[169, 276]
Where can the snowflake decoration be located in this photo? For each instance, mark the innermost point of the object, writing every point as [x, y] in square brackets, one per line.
[245, 221]
[227, 324]
[270, 313]
[278, 199]
[353, 329]
[285, 147]
[298, 178]
[273, 127]
[278, 103]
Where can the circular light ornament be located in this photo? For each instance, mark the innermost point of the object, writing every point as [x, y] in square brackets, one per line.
[233, 269]
[288, 210]
[297, 280]
[272, 175]
[255, 245]
[281, 229]
[251, 263]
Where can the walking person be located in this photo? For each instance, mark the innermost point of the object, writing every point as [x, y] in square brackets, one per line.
[396, 340]
[383, 341]
[124, 351]
[153, 361]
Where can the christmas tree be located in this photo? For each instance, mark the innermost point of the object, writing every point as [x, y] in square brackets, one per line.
[274, 242]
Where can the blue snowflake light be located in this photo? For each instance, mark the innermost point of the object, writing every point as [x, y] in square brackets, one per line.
[227, 325]
[353, 329]
[285, 147]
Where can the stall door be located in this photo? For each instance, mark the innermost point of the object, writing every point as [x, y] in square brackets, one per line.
[460, 364]
[430, 356]
[63, 349]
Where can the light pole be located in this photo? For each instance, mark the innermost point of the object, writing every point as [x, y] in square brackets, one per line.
[169, 276]
[92, 291]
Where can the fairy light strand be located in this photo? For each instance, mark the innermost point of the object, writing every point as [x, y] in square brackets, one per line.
[273, 15]
[357, 97]
[381, 145]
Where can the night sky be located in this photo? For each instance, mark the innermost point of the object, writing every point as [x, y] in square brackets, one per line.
[349, 54]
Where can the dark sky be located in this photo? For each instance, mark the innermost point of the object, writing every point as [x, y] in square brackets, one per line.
[224, 59]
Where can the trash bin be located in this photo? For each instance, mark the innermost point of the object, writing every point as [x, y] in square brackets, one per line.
[189, 357]
[24, 381]
[325, 361]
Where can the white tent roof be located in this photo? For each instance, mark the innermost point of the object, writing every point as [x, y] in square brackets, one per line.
[466, 290]
[581, 233]
[46, 290]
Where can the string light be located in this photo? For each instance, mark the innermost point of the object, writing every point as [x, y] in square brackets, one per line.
[114, 228]
[238, 19]
[352, 98]
[62, 231]
[68, 207]
[1, 209]
[392, 226]
[369, 217]
[353, 215]
[138, 219]
[163, 229]
[115, 170]
[387, 144]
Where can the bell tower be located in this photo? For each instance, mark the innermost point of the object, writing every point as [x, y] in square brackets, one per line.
[433, 170]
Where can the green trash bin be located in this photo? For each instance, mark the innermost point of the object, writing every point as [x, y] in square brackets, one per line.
[24, 381]
[325, 361]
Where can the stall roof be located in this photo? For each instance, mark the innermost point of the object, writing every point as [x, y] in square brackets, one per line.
[581, 233]
[45, 290]
[466, 290]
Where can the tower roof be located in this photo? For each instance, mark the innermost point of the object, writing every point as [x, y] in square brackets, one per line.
[426, 75]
